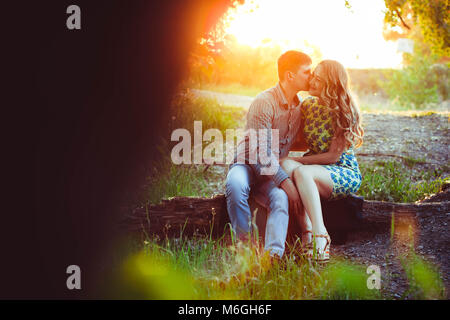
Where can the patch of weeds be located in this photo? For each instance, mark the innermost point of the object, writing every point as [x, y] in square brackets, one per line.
[410, 161]
[345, 280]
[165, 179]
[169, 180]
[391, 181]
[425, 282]
[213, 269]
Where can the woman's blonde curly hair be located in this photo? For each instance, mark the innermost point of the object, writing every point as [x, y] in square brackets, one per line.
[336, 95]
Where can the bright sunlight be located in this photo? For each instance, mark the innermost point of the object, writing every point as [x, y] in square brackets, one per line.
[352, 36]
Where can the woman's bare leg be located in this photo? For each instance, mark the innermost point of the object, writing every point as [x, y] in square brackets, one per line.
[314, 181]
[289, 166]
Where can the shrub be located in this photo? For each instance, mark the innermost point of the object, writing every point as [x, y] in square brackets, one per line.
[413, 86]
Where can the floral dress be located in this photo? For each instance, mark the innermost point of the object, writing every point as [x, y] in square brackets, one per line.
[318, 133]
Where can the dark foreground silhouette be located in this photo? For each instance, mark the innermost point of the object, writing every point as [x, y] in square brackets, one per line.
[88, 107]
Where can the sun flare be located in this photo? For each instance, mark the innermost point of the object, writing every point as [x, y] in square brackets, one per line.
[351, 36]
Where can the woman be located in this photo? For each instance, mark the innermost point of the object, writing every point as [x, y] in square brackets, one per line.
[332, 128]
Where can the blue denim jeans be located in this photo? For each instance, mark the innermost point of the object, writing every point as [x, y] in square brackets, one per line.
[240, 180]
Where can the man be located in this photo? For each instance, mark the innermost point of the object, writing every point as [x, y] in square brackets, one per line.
[276, 108]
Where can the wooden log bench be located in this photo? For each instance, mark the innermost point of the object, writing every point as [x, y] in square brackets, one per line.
[191, 216]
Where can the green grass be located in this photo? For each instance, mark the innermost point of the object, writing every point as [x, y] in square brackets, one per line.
[206, 268]
[169, 180]
[203, 268]
[396, 182]
[424, 279]
[187, 108]
[166, 179]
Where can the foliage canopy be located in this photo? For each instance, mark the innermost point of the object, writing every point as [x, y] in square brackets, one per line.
[431, 16]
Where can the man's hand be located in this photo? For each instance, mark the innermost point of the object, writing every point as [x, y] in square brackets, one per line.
[295, 204]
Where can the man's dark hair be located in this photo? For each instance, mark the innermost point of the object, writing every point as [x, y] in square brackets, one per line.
[291, 61]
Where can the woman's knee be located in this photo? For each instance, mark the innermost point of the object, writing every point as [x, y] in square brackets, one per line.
[289, 165]
[319, 175]
[301, 173]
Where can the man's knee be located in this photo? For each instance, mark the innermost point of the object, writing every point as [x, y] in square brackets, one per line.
[237, 184]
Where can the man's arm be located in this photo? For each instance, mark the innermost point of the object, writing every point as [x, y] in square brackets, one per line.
[260, 116]
[295, 205]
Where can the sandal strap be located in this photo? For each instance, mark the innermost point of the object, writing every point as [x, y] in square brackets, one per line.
[322, 236]
[326, 249]
[326, 236]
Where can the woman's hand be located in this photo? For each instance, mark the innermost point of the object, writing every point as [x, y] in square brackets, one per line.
[337, 147]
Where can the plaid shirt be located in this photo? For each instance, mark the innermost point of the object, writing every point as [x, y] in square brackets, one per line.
[270, 110]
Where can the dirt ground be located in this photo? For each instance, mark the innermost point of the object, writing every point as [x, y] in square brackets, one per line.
[418, 135]
[423, 137]
[409, 134]
[431, 243]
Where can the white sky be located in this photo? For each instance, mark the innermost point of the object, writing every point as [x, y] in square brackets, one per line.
[351, 36]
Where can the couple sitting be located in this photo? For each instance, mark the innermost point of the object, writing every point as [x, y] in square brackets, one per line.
[330, 125]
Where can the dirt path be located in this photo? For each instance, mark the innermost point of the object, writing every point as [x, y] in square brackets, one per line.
[421, 136]
[424, 137]
[225, 98]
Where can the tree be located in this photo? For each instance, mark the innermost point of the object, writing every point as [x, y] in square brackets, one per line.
[431, 16]
[425, 76]
[209, 46]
